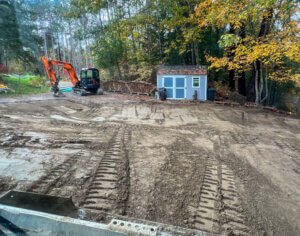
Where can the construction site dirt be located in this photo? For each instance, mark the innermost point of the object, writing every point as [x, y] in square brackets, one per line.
[218, 169]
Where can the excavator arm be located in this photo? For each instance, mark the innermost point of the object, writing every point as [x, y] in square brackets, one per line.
[70, 69]
[48, 64]
[49, 71]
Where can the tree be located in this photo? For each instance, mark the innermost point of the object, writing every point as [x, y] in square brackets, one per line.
[18, 38]
[269, 39]
[110, 52]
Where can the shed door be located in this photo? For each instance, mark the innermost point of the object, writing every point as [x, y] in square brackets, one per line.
[169, 85]
[180, 87]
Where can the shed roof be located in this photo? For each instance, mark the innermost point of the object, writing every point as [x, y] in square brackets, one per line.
[182, 70]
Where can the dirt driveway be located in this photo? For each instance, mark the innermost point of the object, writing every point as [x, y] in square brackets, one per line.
[217, 169]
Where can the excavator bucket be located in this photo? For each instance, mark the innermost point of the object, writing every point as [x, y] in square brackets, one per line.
[59, 94]
[56, 91]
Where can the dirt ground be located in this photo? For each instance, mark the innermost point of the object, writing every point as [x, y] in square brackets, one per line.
[218, 169]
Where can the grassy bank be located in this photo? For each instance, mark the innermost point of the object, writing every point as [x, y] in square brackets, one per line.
[24, 84]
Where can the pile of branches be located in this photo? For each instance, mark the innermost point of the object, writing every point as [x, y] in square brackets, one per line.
[131, 87]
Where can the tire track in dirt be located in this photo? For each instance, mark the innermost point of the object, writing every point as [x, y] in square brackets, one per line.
[176, 185]
[283, 144]
[261, 200]
[107, 189]
[219, 208]
[46, 183]
[206, 195]
[206, 217]
[232, 219]
[237, 138]
[76, 181]
[12, 139]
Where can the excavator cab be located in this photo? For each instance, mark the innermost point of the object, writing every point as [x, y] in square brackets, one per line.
[90, 79]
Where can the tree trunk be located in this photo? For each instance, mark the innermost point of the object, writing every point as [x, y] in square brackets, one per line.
[193, 53]
[100, 21]
[242, 84]
[196, 48]
[241, 80]
[52, 46]
[265, 28]
[256, 84]
[58, 44]
[45, 45]
[63, 47]
[119, 71]
[71, 59]
[108, 13]
[231, 80]
[266, 87]
[6, 61]
[230, 55]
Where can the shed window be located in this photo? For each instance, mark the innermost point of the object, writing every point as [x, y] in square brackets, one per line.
[168, 82]
[196, 82]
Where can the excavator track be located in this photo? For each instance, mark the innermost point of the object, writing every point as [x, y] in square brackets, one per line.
[103, 192]
[45, 184]
[219, 206]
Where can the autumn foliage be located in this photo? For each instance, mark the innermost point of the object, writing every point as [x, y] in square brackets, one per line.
[262, 36]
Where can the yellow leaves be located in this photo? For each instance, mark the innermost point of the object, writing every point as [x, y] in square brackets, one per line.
[295, 78]
[278, 47]
[217, 63]
[267, 52]
[247, 51]
[136, 34]
[221, 13]
[241, 59]
[201, 9]
[2, 86]
[205, 13]
[236, 25]
[282, 76]
[293, 51]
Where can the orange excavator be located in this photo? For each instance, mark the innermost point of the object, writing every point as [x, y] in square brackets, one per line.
[89, 81]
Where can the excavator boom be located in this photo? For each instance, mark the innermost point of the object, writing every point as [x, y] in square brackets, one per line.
[48, 64]
[70, 69]
[50, 71]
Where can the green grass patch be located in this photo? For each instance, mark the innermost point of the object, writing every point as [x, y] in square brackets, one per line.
[22, 85]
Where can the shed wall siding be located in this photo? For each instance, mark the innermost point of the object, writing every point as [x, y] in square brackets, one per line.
[202, 91]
